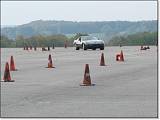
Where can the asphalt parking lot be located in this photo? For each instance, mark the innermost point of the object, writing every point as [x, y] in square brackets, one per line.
[123, 89]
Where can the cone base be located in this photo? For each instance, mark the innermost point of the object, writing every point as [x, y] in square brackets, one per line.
[103, 65]
[14, 70]
[87, 84]
[49, 67]
[7, 80]
[120, 60]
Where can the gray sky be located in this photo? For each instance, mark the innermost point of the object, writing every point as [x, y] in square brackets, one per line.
[21, 12]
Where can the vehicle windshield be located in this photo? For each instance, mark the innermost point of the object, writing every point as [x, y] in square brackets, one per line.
[88, 38]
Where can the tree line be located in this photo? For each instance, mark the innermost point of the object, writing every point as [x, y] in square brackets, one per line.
[143, 38]
[39, 41]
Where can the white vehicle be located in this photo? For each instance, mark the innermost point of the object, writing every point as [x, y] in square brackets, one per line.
[88, 42]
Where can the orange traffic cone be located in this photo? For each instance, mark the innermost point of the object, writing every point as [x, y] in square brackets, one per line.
[102, 62]
[48, 48]
[65, 44]
[30, 47]
[148, 47]
[35, 48]
[143, 48]
[26, 47]
[12, 65]
[50, 65]
[87, 78]
[7, 77]
[117, 57]
[120, 57]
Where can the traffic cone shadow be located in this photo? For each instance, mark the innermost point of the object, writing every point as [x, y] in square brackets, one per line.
[7, 76]
[50, 64]
[12, 64]
[87, 78]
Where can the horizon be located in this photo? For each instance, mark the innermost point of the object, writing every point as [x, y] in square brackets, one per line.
[79, 21]
[23, 12]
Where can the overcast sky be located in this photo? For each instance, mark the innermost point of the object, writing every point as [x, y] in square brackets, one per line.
[21, 12]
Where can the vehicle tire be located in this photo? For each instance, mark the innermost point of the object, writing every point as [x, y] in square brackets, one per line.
[77, 48]
[84, 47]
[102, 48]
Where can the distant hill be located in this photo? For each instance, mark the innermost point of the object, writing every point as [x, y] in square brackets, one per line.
[104, 29]
[4, 26]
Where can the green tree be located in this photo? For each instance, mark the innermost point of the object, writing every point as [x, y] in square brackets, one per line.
[144, 38]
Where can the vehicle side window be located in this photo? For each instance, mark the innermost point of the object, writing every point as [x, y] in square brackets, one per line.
[80, 39]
